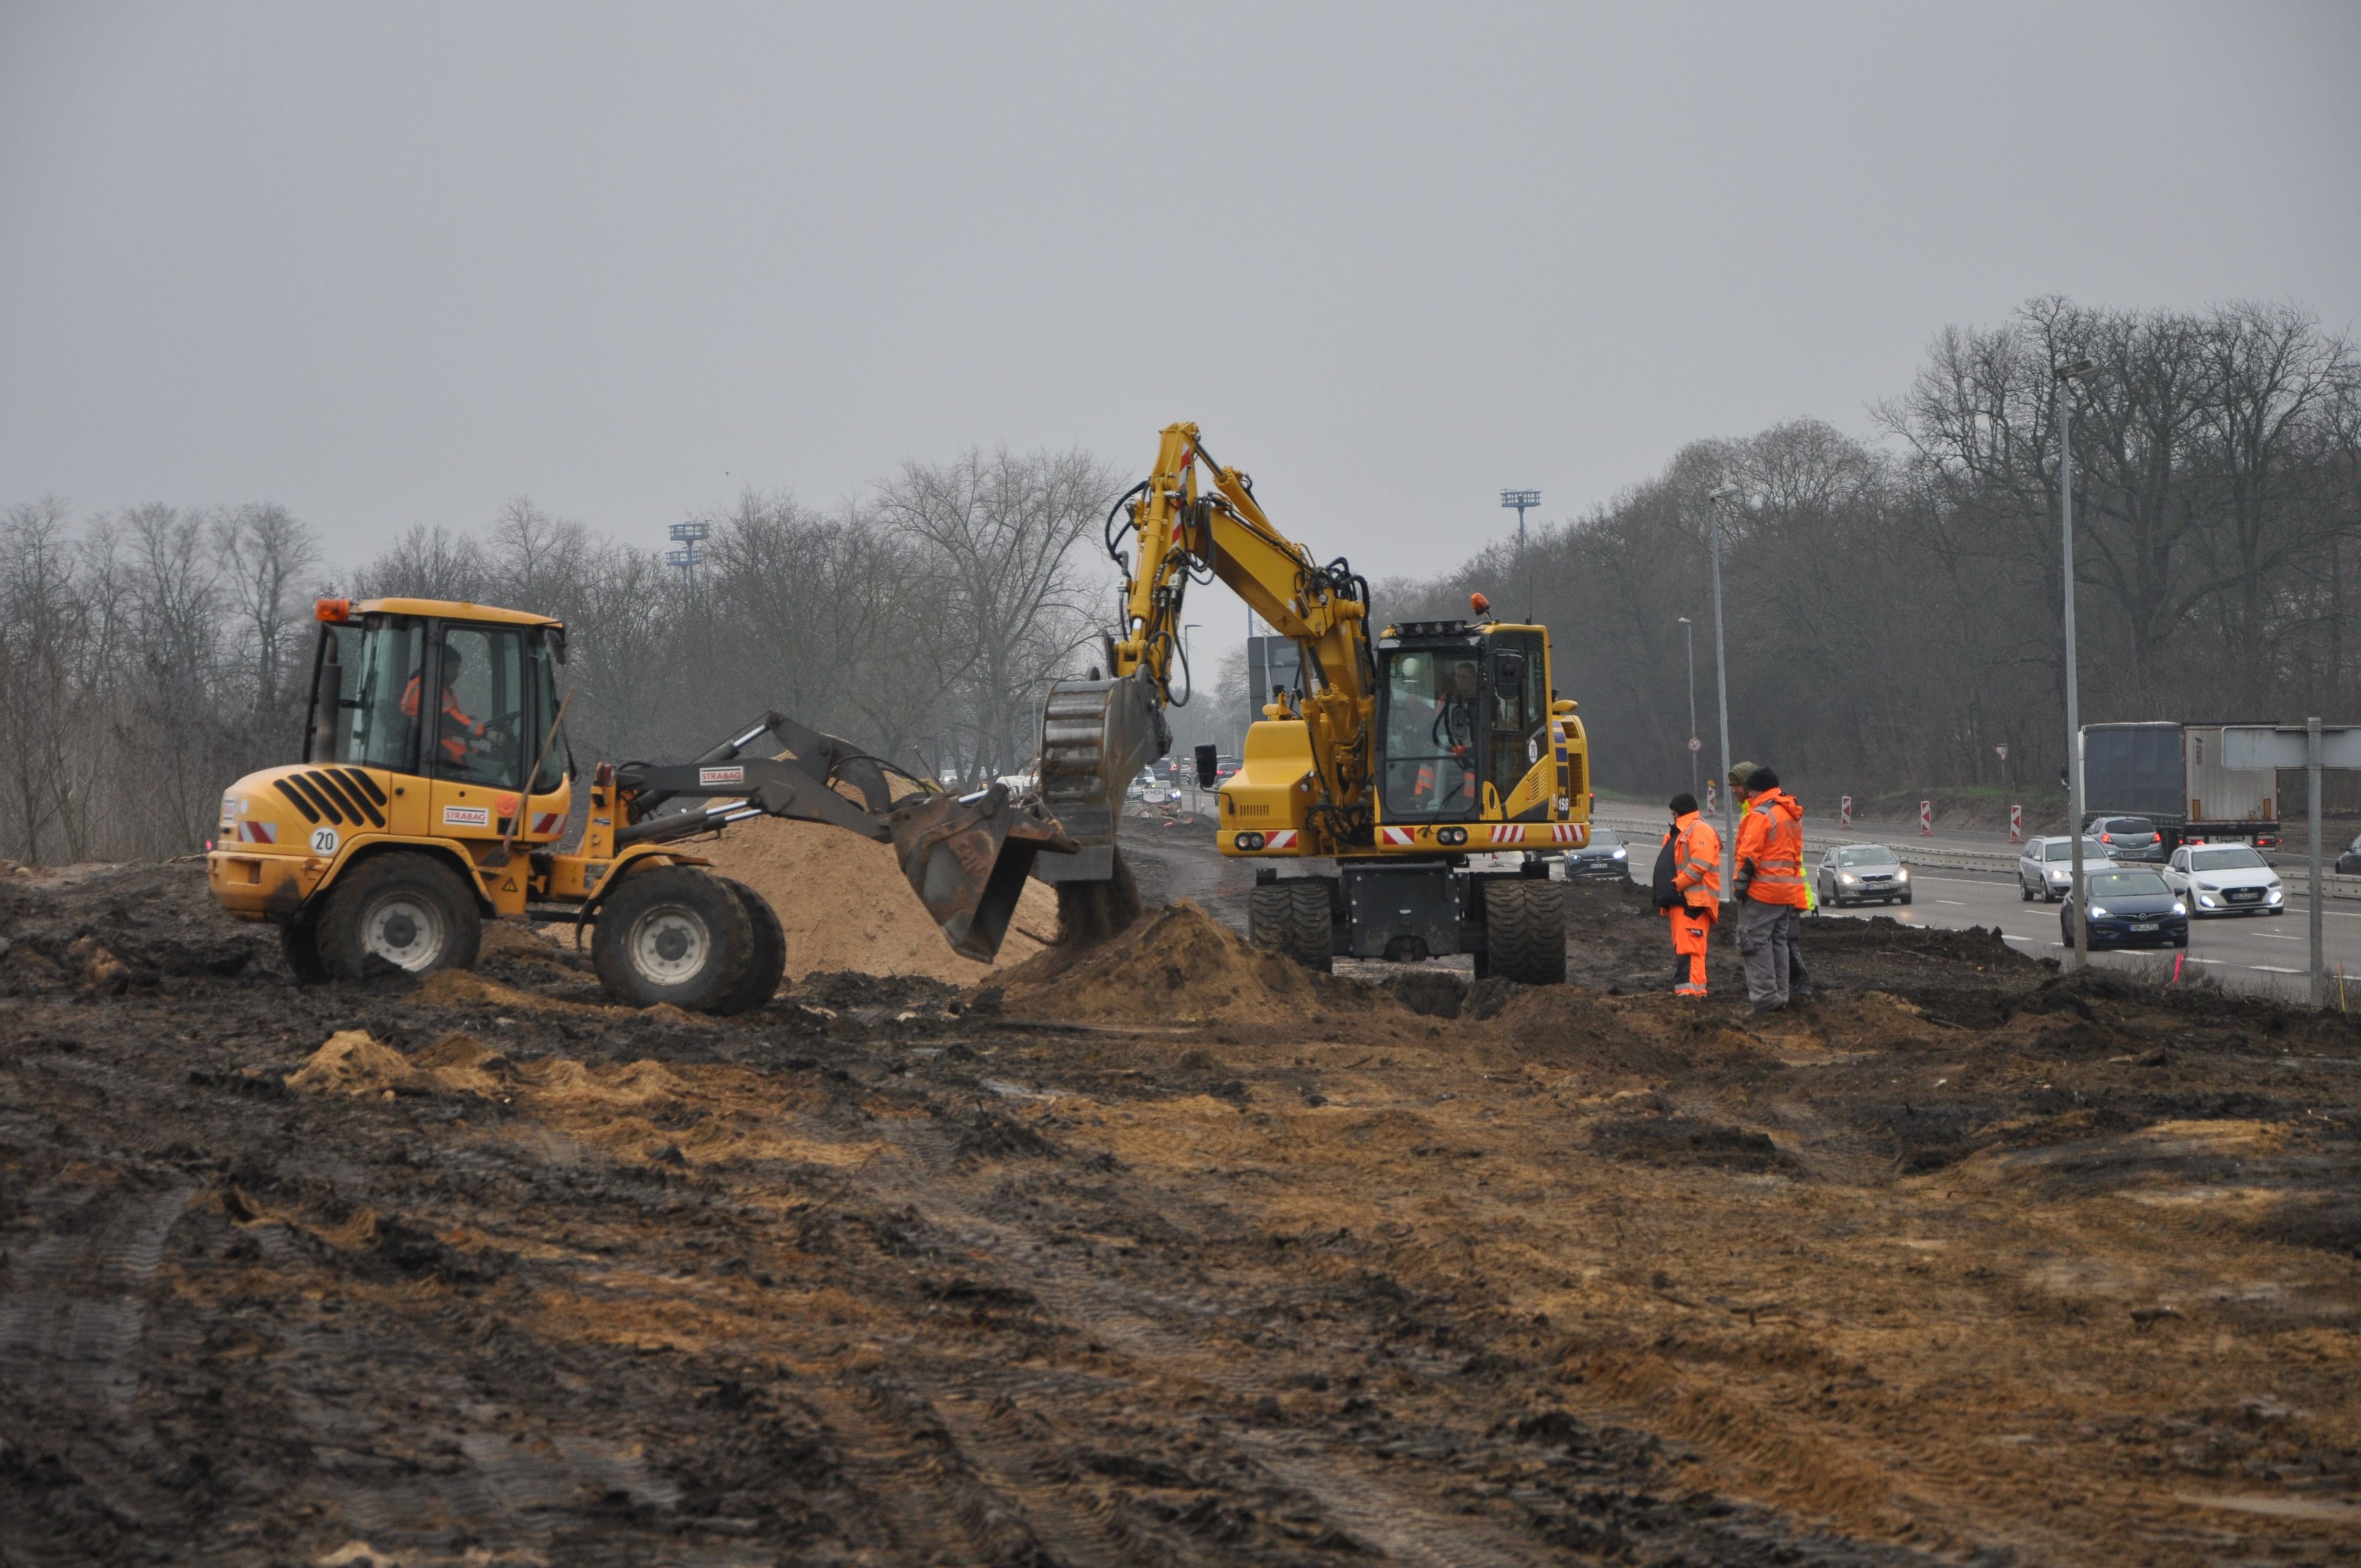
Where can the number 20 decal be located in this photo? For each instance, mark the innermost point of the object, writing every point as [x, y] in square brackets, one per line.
[324, 841]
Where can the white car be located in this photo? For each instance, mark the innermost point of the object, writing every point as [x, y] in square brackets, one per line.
[2224, 879]
[2046, 870]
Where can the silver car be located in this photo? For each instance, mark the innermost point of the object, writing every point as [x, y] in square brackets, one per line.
[2224, 879]
[1862, 873]
[2046, 870]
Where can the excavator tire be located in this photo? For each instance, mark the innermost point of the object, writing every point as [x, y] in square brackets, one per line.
[407, 911]
[1524, 930]
[674, 933]
[1291, 919]
[770, 961]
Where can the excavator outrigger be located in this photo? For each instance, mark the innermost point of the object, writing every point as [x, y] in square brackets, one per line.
[1400, 755]
[435, 790]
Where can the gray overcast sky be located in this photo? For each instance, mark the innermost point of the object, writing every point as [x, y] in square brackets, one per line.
[395, 264]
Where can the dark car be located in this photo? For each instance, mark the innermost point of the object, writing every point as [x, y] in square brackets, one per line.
[2128, 909]
[1606, 855]
[2129, 838]
[2349, 863]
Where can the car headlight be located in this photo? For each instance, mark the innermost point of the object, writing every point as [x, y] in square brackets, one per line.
[2207, 900]
[1902, 875]
[2179, 908]
[1622, 854]
[1847, 877]
[2098, 912]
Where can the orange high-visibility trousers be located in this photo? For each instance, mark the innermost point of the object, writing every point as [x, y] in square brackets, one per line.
[1691, 926]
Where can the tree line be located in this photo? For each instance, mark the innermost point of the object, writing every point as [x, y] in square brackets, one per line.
[1893, 607]
[150, 657]
[1893, 601]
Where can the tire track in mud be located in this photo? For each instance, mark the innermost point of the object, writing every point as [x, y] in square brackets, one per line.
[73, 1315]
[1398, 1509]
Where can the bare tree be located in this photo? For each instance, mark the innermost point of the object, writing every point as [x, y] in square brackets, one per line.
[266, 557]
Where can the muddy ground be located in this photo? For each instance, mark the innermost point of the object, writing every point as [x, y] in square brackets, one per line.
[1963, 1264]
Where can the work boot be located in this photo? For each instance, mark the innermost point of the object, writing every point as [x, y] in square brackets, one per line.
[1762, 1007]
[1686, 989]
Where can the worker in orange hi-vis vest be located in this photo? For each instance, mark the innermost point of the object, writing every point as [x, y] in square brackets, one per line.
[1771, 892]
[1688, 889]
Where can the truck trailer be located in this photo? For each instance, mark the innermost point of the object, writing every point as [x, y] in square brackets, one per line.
[2172, 774]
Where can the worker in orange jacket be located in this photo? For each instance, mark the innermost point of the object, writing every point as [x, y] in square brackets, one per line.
[1689, 890]
[1772, 892]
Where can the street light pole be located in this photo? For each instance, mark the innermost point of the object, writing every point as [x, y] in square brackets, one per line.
[1521, 499]
[2081, 894]
[1721, 683]
[1688, 635]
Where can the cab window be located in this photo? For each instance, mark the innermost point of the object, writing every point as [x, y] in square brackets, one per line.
[477, 719]
[1434, 729]
[549, 746]
[1520, 710]
[363, 675]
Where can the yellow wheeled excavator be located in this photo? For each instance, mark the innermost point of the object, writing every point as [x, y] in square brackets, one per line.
[1417, 758]
[436, 789]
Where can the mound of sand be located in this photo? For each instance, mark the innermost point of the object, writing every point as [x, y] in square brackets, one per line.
[846, 905]
[1181, 966]
[355, 1062]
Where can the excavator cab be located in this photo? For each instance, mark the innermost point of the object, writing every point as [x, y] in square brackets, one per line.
[1463, 722]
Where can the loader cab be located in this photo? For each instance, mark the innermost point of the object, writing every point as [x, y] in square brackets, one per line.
[1463, 720]
[446, 691]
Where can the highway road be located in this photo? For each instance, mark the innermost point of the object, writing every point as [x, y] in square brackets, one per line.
[2248, 952]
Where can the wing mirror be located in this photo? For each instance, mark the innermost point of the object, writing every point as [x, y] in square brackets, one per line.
[1507, 670]
[1208, 766]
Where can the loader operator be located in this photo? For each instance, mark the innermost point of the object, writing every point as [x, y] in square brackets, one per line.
[460, 733]
[1688, 889]
[1773, 892]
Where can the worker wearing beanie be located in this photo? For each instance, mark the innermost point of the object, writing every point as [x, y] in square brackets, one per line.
[1689, 889]
[1772, 891]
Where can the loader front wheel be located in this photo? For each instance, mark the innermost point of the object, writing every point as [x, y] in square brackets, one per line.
[1524, 930]
[674, 933]
[769, 964]
[409, 911]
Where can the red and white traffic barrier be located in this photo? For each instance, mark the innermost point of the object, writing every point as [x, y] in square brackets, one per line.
[1926, 819]
[1844, 812]
[2017, 825]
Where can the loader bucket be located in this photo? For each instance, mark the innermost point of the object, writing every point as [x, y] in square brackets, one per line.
[967, 857]
[1095, 735]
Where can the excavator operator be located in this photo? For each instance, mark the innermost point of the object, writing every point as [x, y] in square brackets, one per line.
[459, 731]
[1457, 719]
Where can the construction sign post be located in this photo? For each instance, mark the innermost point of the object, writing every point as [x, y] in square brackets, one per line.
[1844, 811]
[2312, 749]
[2017, 825]
[1926, 819]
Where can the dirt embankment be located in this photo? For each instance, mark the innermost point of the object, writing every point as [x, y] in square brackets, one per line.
[1091, 1264]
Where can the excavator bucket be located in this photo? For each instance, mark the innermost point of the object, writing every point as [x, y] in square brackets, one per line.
[1095, 737]
[968, 856]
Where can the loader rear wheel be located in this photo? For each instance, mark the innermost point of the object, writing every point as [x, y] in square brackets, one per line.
[409, 911]
[674, 933]
[769, 963]
[1291, 919]
[1524, 930]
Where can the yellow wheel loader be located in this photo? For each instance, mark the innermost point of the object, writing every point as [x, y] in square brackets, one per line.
[435, 791]
[1401, 802]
